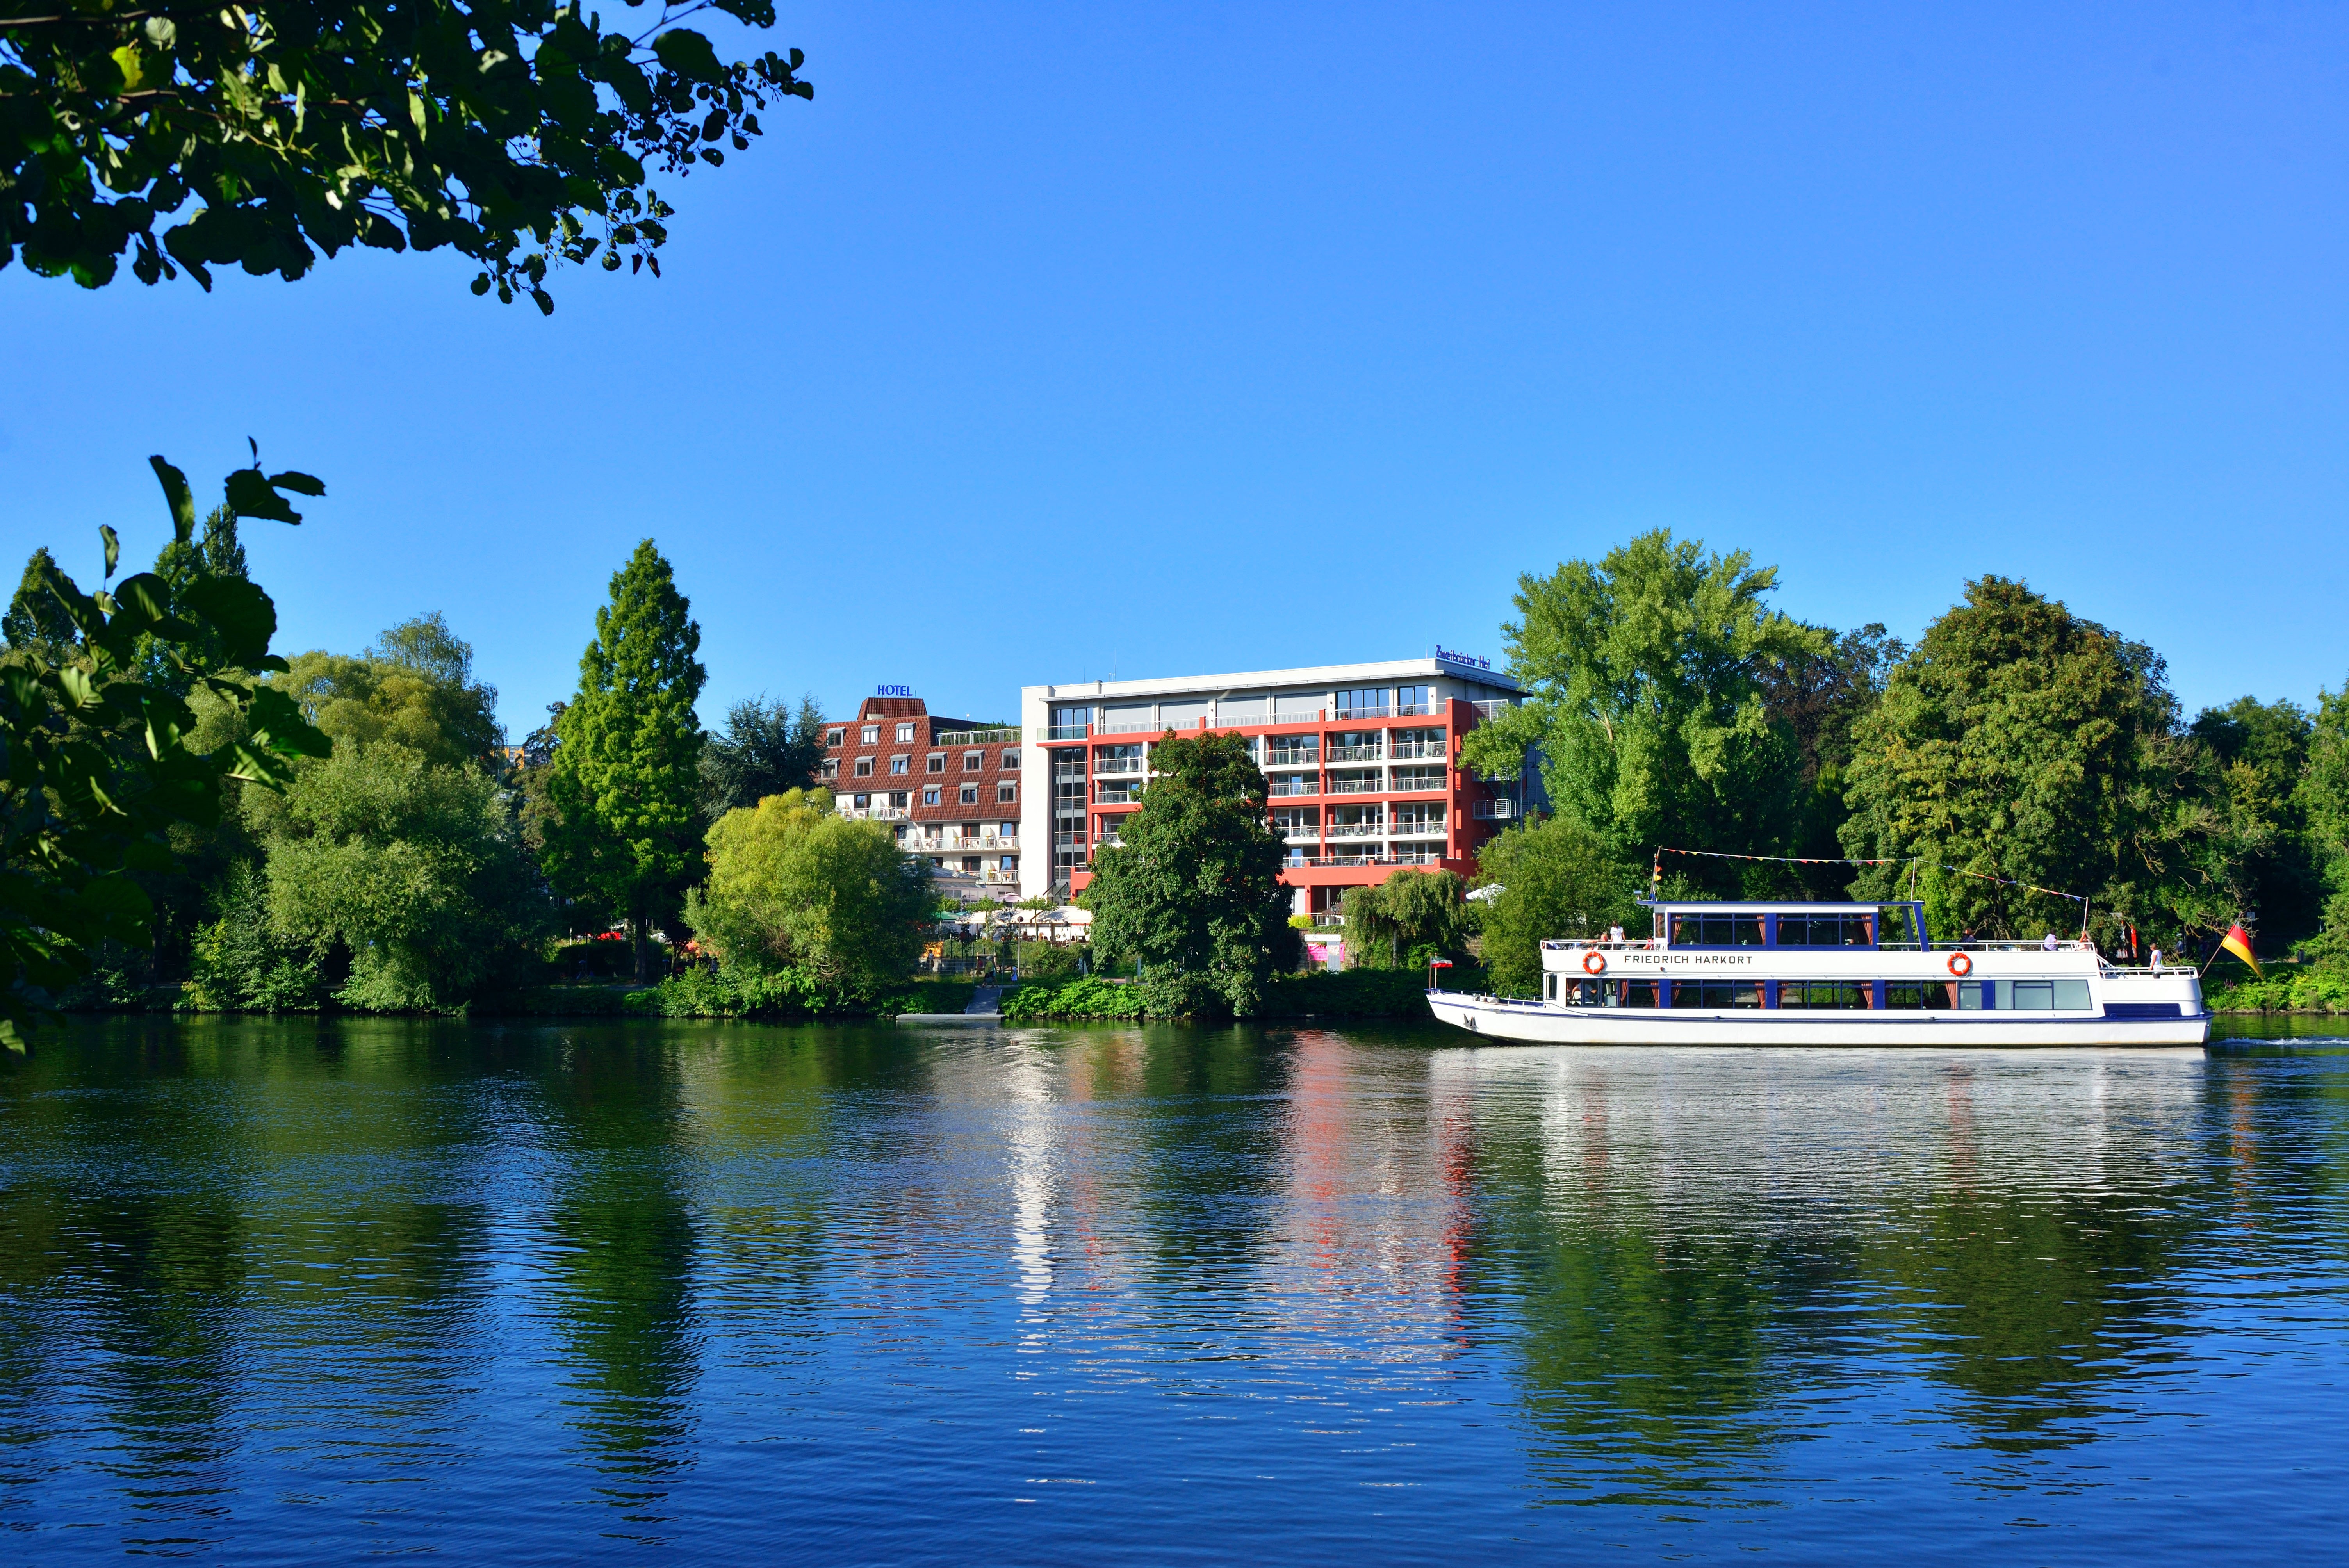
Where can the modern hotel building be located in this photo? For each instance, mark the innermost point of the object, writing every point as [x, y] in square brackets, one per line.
[1360, 758]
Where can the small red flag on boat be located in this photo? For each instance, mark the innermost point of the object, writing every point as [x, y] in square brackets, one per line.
[2239, 942]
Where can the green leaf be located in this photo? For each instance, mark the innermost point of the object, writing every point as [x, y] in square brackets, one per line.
[239, 611]
[688, 54]
[113, 547]
[145, 598]
[299, 483]
[249, 495]
[279, 724]
[181, 500]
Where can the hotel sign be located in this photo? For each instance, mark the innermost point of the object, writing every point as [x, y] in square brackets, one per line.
[893, 691]
[1448, 657]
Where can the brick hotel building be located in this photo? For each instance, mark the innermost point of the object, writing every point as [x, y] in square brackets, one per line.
[1360, 757]
[951, 788]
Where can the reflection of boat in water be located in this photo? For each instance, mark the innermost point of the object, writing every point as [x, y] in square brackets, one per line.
[1832, 975]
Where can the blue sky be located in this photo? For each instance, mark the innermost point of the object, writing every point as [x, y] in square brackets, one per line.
[1054, 343]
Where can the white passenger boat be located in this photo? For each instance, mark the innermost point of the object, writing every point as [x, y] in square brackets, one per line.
[1832, 975]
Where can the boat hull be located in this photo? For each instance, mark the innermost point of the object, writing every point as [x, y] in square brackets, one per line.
[1538, 1023]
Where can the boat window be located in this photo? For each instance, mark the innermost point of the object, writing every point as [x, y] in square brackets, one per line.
[1716, 993]
[1636, 993]
[1716, 930]
[1589, 994]
[2024, 996]
[1826, 930]
[1925, 996]
[1549, 987]
[1823, 993]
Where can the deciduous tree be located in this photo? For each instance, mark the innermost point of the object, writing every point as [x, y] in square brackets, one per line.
[1645, 701]
[793, 885]
[1193, 893]
[624, 826]
[517, 132]
[1558, 879]
[2022, 742]
[100, 764]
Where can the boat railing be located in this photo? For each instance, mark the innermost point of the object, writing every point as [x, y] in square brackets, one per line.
[1629, 943]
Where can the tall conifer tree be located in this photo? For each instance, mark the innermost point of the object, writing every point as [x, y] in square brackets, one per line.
[624, 835]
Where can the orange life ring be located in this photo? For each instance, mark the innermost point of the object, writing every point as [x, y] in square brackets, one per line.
[1961, 966]
[1594, 962]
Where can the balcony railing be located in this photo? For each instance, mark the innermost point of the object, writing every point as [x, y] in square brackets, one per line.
[1415, 855]
[1494, 709]
[1414, 709]
[1298, 830]
[1357, 754]
[984, 841]
[1066, 732]
[1105, 766]
[1355, 784]
[875, 813]
[1418, 781]
[1294, 756]
[1116, 794]
[1498, 811]
[1293, 787]
[1404, 830]
[1347, 715]
[1411, 750]
[976, 738]
[1357, 829]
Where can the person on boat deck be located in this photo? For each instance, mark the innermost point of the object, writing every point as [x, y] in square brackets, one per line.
[1614, 934]
[2156, 961]
[2048, 945]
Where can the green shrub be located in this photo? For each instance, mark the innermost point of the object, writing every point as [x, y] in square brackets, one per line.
[1089, 996]
[2322, 987]
[730, 993]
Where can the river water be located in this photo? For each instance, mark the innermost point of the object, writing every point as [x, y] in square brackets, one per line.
[297, 1291]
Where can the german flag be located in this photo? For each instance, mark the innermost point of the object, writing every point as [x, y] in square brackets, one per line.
[2239, 942]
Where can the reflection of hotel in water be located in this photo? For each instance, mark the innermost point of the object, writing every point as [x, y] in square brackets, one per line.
[1371, 1170]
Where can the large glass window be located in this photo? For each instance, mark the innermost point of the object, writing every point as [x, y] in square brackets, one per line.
[1826, 930]
[1925, 996]
[2022, 996]
[1716, 930]
[1823, 992]
[1718, 994]
[1293, 751]
[1362, 702]
[1412, 700]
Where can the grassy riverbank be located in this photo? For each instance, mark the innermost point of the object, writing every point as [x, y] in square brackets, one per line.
[2318, 988]
[1354, 994]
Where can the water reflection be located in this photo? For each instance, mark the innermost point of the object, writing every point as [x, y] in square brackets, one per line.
[621, 1286]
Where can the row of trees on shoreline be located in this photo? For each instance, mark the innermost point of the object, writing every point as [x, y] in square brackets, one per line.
[415, 863]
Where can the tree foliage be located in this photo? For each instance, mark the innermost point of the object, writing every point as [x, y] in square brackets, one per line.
[624, 825]
[1407, 920]
[504, 129]
[1646, 699]
[2323, 799]
[1558, 879]
[793, 885]
[763, 750]
[99, 763]
[413, 688]
[412, 866]
[2021, 742]
[1193, 893]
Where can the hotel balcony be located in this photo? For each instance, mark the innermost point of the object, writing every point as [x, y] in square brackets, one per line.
[1358, 830]
[1418, 781]
[1503, 810]
[1116, 794]
[984, 842]
[1358, 754]
[1109, 767]
[1070, 732]
[1406, 829]
[1369, 783]
[1303, 784]
[1413, 750]
[1293, 756]
[875, 813]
